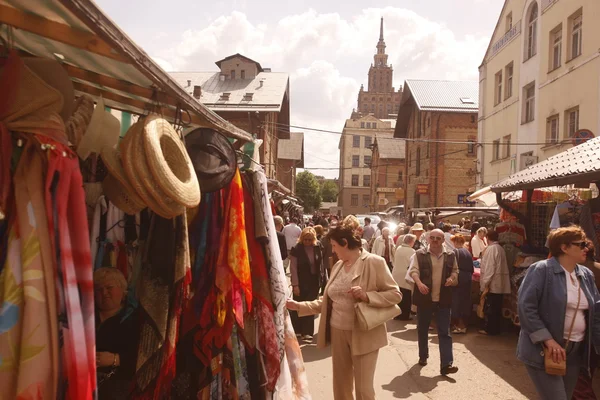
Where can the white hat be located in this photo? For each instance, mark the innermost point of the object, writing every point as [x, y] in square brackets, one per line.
[103, 131]
[417, 227]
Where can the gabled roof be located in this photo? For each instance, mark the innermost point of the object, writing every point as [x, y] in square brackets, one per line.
[292, 148]
[238, 55]
[390, 148]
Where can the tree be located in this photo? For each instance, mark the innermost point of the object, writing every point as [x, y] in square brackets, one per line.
[329, 191]
[308, 190]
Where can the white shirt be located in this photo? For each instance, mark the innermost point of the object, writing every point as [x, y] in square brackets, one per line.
[292, 233]
[478, 245]
[573, 287]
[495, 274]
[448, 241]
[402, 260]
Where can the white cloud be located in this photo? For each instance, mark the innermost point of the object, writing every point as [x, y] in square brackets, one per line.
[328, 57]
[165, 65]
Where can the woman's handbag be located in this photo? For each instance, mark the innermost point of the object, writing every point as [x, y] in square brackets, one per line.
[369, 317]
[560, 368]
[481, 306]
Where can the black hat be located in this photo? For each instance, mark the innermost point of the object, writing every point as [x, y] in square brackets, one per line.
[213, 158]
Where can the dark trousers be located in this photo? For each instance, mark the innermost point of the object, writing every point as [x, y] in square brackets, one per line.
[303, 325]
[442, 315]
[493, 313]
[462, 304]
[405, 304]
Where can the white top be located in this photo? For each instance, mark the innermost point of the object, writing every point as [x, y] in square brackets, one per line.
[478, 245]
[573, 287]
[448, 241]
[495, 274]
[342, 302]
[292, 233]
[379, 247]
[402, 260]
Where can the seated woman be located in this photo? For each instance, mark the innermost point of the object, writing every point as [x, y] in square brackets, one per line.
[116, 335]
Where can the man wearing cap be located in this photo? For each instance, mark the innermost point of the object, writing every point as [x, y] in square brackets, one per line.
[418, 231]
[435, 270]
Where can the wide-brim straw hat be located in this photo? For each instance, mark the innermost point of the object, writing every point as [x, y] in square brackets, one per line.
[116, 186]
[169, 162]
[103, 131]
[417, 227]
[134, 159]
[213, 157]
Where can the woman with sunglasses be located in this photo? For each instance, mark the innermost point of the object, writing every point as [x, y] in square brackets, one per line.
[557, 309]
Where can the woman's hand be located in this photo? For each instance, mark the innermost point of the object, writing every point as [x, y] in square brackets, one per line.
[422, 288]
[557, 352]
[105, 359]
[296, 290]
[359, 294]
[292, 305]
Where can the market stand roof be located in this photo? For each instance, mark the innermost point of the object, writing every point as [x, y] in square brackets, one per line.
[579, 164]
[102, 60]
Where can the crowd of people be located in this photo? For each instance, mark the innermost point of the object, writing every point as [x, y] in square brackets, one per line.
[427, 275]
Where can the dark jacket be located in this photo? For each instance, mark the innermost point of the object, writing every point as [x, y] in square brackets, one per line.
[282, 245]
[310, 284]
[423, 257]
[465, 266]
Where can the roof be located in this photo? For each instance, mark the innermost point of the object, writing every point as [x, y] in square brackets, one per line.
[238, 55]
[102, 60]
[390, 148]
[579, 164]
[268, 97]
[292, 148]
[391, 121]
[436, 96]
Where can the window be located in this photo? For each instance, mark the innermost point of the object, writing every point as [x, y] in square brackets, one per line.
[354, 180]
[368, 161]
[575, 23]
[362, 124]
[496, 150]
[418, 161]
[243, 74]
[374, 125]
[367, 180]
[355, 141]
[368, 125]
[389, 109]
[400, 179]
[368, 142]
[355, 161]
[354, 200]
[529, 104]
[506, 146]
[498, 88]
[372, 108]
[366, 200]
[552, 129]
[531, 45]
[572, 121]
[508, 73]
[471, 147]
[233, 74]
[555, 48]
[509, 22]
[381, 109]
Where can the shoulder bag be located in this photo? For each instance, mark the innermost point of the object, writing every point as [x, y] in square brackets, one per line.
[368, 317]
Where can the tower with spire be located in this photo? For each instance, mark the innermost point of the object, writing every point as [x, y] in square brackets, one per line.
[380, 99]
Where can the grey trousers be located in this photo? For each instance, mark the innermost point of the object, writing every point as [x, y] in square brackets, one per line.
[552, 387]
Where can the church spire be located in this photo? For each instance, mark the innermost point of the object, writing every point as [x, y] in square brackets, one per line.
[381, 31]
[380, 57]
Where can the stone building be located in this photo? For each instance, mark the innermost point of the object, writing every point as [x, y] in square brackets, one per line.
[388, 167]
[291, 157]
[249, 96]
[356, 154]
[539, 84]
[438, 174]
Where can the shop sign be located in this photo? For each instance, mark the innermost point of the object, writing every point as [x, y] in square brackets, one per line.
[383, 202]
[386, 190]
[462, 199]
[422, 188]
[399, 194]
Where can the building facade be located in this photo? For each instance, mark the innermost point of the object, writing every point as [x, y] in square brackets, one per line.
[249, 96]
[291, 157]
[539, 84]
[356, 155]
[438, 119]
[388, 168]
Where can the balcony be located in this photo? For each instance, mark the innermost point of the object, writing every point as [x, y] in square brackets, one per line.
[507, 38]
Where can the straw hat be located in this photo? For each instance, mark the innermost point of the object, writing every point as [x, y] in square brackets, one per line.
[103, 131]
[134, 159]
[417, 227]
[116, 185]
[136, 164]
[169, 162]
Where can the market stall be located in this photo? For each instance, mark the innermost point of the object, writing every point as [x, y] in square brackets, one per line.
[180, 235]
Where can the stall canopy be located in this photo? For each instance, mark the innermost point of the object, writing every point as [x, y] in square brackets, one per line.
[577, 165]
[102, 60]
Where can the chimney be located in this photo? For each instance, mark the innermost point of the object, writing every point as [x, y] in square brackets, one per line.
[189, 83]
[261, 83]
[197, 91]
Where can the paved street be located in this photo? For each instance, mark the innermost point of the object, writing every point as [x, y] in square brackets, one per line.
[488, 369]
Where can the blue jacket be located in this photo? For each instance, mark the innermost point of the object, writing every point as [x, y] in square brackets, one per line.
[542, 306]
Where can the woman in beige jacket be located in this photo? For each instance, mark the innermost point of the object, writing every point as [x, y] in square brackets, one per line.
[357, 277]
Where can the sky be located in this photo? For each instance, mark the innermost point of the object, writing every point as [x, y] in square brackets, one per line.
[326, 46]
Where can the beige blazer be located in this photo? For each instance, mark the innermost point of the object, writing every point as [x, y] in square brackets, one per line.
[373, 276]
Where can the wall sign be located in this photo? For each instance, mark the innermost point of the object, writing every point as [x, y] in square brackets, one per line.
[423, 188]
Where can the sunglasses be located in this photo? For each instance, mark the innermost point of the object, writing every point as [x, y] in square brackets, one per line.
[582, 245]
[436, 238]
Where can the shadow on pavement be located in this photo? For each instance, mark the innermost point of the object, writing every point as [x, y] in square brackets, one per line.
[403, 390]
[310, 352]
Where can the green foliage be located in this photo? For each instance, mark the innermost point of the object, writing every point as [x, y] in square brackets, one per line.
[329, 191]
[308, 190]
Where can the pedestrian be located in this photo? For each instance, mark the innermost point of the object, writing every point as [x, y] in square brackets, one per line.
[417, 230]
[447, 229]
[404, 231]
[430, 227]
[368, 230]
[357, 277]
[292, 233]
[479, 243]
[557, 310]
[435, 271]
[495, 279]
[354, 223]
[327, 252]
[461, 294]
[281, 237]
[402, 257]
[384, 247]
[306, 266]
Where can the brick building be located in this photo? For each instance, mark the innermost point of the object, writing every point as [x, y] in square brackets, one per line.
[291, 157]
[388, 167]
[249, 96]
[438, 174]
